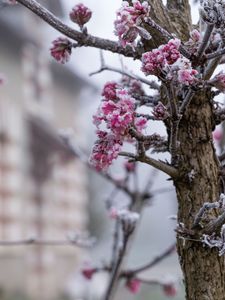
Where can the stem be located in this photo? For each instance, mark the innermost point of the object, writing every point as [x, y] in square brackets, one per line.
[83, 39]
[169, 170]
[155, 261]
[114, 280]
[205, 40]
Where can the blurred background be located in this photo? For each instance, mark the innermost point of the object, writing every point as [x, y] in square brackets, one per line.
[46, 193]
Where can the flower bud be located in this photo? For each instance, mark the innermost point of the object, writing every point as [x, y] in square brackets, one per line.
[80, 14]
[61, 50]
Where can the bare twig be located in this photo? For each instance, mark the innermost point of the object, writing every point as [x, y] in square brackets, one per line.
[169, 170]
[155, 261]
[205, 41]
[104, 67]
[47, 242]
[83, 39]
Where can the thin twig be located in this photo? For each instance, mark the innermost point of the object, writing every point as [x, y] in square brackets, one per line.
[205, 41]
[83, 39]
[105, 67]
[155, 261]
[216, 54]
[169, 170]
[79, 153]
[42, 242]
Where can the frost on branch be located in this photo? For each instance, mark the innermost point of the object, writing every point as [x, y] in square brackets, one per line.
[129, 19]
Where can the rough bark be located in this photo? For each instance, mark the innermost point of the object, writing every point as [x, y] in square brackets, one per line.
[202, 267]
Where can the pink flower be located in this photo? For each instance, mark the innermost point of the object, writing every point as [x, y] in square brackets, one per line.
[109, 90]
[160, 111]
[133, 285]
[61, 50]
[129, 166]
[2, 79]
[195, 35]
[128, 20]
[80, 14]
[217, 134]
[105, 150]
[140, 123]
[113, 213]
[187, 76]
[170, 290]
[88, 272]
[154, 62]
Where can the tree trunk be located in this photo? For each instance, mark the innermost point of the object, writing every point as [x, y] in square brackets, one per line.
[202, 267]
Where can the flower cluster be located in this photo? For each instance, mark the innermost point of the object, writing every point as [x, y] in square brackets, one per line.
[133, 85]
[194, 41]
[128, 20]
[80, 14]
[116, 114]
[155, 61]
[160, 111]
[105, 150]
[167, 61]
[61, 50]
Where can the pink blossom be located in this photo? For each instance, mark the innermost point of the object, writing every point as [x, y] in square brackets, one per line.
[217, 134]
[160, 111]
[113, 213]
[187, 76]
[80, 14]
[129, 166]
[133, 285]
[154, 62]
[128, 20]
[195, 35]
[170, 290]
[105, 150]
[109, 90]
[88, 272]
[61, 49]
[140, 123]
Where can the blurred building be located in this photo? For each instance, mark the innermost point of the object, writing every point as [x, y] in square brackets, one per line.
[43, 190]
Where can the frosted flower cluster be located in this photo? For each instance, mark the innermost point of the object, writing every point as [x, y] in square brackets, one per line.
[213, 12]
[167, 60]
[116, 115]
[61, 50]
[128, 20]
[194, 41]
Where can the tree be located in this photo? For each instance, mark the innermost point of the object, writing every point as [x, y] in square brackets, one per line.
[183, 57]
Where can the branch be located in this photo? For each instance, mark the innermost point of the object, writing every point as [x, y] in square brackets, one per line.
[76, 152]
[40, 242]
[104, 67]
[169, 170]
[216, 54]
[205, 41]
[155, 261]
[83, 39]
